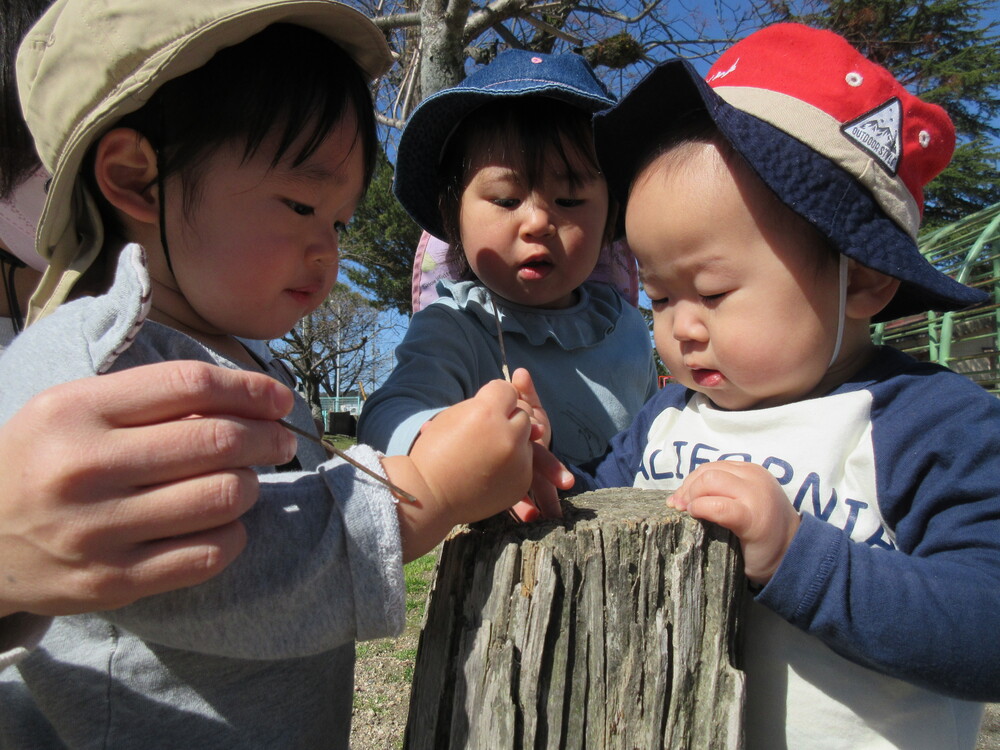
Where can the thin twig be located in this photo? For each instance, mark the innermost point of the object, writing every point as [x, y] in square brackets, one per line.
[506, 373]
[333, 450]
[503, 350]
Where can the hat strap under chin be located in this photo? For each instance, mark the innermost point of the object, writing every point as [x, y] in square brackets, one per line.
[10, 290]
[163, 216]
[841, 307]
[162, 138]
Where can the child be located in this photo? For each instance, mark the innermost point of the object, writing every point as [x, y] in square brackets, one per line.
[503, 167]
[773, 211]
[228, 142]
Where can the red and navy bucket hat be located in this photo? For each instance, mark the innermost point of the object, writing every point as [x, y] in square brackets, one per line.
[835, 136]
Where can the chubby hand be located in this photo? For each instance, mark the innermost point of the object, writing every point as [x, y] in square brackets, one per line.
[473, 460]
[549, 475]
[746, 499]
[476, 456]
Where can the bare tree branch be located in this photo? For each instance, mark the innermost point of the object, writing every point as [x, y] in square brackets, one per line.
[549, 28]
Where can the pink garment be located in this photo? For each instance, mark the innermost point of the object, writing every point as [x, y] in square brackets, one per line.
[615, 266]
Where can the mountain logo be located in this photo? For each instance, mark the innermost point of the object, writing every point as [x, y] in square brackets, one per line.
[879, 132]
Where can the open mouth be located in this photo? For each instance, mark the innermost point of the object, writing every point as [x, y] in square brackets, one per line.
[535, 269]
[707, 378]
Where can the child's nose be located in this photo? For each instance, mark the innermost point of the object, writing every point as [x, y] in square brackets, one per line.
[688, 323]
[538, 221]
[325, 251]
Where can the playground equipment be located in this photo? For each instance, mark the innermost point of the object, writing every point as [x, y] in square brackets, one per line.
[967, 341]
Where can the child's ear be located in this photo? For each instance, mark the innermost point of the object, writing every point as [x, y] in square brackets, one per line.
[125, 171]
[868, 291]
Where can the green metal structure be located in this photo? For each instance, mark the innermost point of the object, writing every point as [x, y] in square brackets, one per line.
[967, 341]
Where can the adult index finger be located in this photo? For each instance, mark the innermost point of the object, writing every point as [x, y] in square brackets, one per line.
[173, 390]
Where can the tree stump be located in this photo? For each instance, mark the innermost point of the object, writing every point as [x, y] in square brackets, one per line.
[614, 628]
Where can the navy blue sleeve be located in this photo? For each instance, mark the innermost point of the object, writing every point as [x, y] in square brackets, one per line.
[438, 364]
[622, 461]
[928, 610]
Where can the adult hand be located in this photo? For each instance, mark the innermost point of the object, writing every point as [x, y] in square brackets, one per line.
[130, 484]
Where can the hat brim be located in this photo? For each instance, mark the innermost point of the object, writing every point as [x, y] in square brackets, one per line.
[810, 184]
[425, 136]
[70, 232]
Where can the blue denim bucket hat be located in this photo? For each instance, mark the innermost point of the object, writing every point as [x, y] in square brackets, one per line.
[513, 73]
[834, 135]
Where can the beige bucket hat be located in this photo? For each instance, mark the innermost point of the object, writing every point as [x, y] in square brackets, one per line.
[85, 64]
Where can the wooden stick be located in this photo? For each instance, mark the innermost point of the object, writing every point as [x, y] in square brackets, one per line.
[503, 350]
[333, 450]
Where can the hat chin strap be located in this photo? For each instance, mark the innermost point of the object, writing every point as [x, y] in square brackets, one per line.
[841, 307]
[163, 216]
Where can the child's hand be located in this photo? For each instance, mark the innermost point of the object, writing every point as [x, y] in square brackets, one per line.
[549, 474]
[532, 405]
[472, 460]
[746, 499]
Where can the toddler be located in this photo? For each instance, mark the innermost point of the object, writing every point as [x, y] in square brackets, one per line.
[773, 210]
[502, 166]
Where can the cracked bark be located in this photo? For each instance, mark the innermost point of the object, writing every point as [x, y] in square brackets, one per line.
[617, 628]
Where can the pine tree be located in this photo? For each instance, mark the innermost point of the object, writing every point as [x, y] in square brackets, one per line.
[378, 245]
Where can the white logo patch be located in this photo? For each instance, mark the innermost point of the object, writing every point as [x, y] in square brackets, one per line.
[879, 132]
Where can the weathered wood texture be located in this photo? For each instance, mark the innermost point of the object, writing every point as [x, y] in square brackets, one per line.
[617, 628]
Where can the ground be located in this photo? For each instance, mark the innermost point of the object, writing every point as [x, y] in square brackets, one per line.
[385, 668]
[989, 735]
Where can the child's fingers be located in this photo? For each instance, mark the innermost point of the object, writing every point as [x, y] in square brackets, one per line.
[724, 511]
[526, 511]
[724, 478]
[501, 395]
[546, 499]
[551, 468]
[521, 379]
[549, 476]
[532, 404]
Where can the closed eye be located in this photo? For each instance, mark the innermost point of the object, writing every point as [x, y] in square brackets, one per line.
[300, 208]
[569, 202]
[506, 202]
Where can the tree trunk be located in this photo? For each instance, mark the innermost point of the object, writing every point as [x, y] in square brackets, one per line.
[616, 628]
[443, 50]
